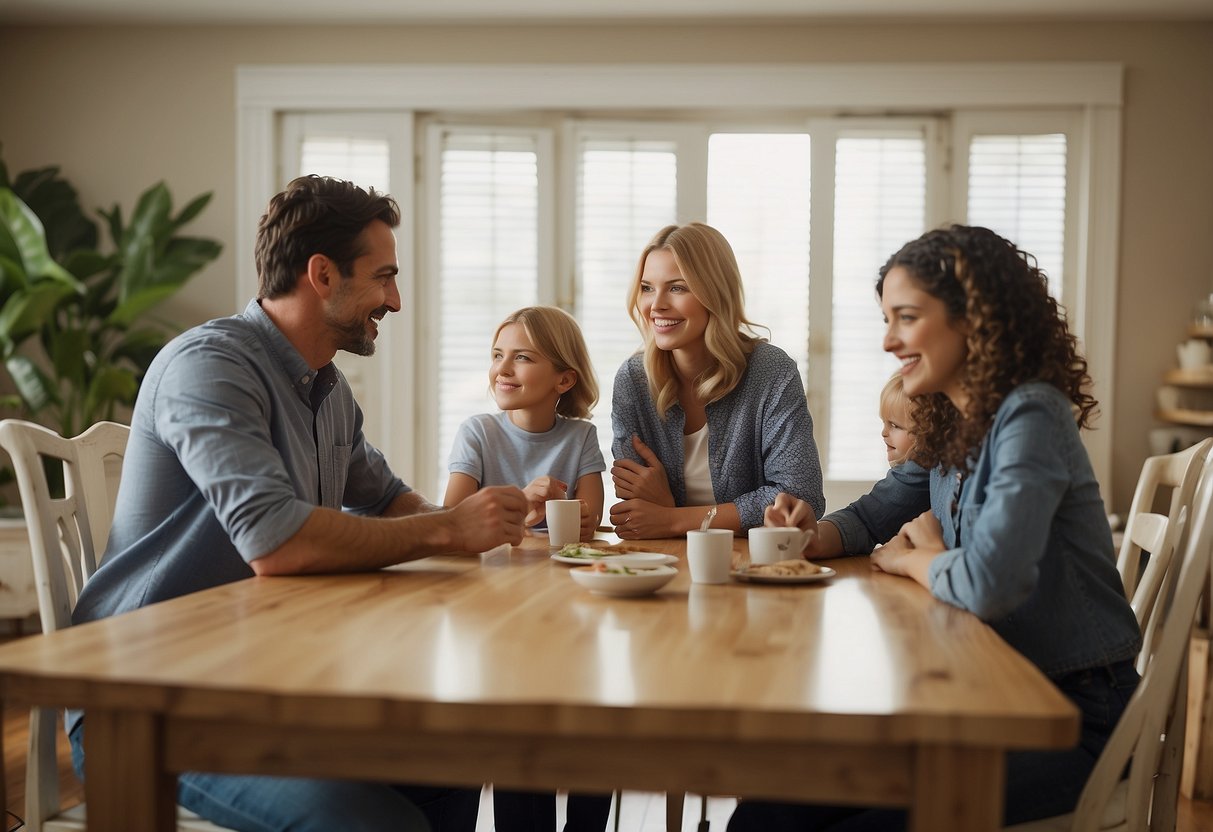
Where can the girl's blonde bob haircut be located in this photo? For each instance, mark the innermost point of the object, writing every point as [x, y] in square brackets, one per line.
[558, 338]
[706, 261]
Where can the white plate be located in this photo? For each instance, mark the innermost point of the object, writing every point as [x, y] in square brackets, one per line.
[621, 559]
[825, 573]
[642, 582]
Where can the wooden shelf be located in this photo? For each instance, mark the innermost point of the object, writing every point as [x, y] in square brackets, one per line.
[1198, 377]
[1196, 331]
[1182, 416]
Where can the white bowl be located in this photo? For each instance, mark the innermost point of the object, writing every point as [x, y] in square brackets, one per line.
[640, 581]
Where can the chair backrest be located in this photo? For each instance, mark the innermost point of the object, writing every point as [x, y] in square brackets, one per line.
[1138, 737]
[1156, 535]
[67, 536]
[67, 533]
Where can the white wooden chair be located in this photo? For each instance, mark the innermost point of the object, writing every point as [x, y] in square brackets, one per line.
[1156, 534]
[67, 536]
[1150, 735]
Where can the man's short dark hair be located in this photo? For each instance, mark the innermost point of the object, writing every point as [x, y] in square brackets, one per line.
[316, 215]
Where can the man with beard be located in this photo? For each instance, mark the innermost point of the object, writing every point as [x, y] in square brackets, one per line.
[247, 457]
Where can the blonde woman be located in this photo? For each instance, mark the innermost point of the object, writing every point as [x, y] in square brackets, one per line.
[707, 414]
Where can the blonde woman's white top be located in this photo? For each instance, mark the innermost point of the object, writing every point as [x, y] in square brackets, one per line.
[696, 473]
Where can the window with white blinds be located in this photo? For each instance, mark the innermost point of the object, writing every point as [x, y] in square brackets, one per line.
[879, 204]
[1017, 187]
[759, 186]
[626, 192]
[497, 209]
[488, 266]
[364, 161]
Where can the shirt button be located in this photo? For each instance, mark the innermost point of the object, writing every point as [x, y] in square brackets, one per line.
[305, 379]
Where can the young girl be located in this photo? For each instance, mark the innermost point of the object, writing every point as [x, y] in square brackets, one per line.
[708, 414]
[542, 440]
[1004, 517]
[895, 421]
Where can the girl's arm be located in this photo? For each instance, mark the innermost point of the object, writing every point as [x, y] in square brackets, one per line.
[589, 491]
[458, 488]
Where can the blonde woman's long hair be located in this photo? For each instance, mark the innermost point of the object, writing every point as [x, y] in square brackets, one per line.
[706, 261]
[558, 338]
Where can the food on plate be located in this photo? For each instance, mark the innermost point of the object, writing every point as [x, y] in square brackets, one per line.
[605, 568]
[581, 550]
[785, 568]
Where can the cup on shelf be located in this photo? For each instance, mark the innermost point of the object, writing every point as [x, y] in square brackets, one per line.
[1194, 353]
[1168, 397]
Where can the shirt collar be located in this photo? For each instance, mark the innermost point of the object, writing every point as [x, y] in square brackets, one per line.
[312, 386]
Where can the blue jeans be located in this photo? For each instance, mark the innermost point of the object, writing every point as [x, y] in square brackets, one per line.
[515, 811]
[253, 803]
[1040, 784]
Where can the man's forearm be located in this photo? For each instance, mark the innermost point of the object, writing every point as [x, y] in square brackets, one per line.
[334, 541]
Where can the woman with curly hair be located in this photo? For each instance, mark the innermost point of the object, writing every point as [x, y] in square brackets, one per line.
[707, 414]
[1002, 514]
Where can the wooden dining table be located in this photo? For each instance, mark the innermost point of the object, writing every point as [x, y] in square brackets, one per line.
[861, 689]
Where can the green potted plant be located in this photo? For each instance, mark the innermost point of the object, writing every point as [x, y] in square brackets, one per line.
[76, 333]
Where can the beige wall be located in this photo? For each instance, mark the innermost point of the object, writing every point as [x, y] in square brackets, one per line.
[119, 108]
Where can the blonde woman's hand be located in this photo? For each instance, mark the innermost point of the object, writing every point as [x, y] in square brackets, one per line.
[538, 491]
[642, 520]
[642, 481]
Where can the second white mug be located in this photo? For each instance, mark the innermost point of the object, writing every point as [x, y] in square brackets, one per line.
[710, 555]
[771, 544]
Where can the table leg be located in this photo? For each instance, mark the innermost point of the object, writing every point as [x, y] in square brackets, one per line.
[957, 788]
[673, 811]
[126, 787]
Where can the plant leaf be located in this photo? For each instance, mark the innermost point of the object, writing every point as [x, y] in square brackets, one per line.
[55, 202]
[27, 310]
[138, 303]
[190, 211]
[84, 262]
[139, 346]
[27, 233]
[111, 384]
[12, 275]
[36, 389]
[68, 353]
[151, 216]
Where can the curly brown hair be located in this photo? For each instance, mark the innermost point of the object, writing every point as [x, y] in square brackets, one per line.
[1015, 333]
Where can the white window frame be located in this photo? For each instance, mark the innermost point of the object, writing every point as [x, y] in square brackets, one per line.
[424, 469]
[1094, 89]
[381, 382]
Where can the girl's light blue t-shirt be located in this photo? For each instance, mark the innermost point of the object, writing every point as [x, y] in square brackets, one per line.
[492, 450]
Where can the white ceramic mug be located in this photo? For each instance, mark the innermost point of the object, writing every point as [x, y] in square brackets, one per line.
[771, 544]
[1194, 354]
[710, 555]
[564, 521]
